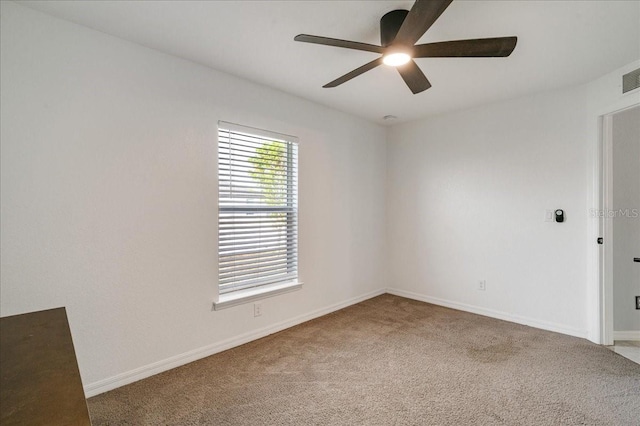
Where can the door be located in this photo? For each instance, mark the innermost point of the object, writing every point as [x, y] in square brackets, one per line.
[625, 228]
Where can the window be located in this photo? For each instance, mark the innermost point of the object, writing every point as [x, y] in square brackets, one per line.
[258, 209]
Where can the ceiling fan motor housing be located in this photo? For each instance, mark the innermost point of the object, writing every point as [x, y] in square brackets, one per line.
[390, 23]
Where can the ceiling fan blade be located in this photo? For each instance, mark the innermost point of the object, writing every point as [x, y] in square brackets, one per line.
[414, 77]
[476, 48]
[339, 43]
[348, 76]
[420, 18]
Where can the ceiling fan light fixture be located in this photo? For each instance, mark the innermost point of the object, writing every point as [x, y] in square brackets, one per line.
[396, 59]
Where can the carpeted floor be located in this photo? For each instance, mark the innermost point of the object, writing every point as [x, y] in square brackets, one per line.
[390, 361]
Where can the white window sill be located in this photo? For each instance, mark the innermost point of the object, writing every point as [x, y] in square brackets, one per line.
[245, 296]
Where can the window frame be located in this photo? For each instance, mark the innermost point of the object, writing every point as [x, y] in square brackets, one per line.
[232, 295]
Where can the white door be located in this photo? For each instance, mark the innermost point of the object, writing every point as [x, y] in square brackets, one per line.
[625, 215]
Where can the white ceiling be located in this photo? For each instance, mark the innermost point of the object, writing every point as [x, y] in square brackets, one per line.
[560, 43]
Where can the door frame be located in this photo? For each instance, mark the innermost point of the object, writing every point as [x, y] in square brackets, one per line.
[605, 223]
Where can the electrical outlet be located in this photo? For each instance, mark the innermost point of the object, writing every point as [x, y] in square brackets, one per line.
[482, 285]
[257, 309]
[637, 302]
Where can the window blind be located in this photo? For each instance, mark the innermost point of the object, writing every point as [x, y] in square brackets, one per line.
[258, 207]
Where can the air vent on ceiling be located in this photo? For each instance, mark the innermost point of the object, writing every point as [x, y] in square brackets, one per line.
[631, 81]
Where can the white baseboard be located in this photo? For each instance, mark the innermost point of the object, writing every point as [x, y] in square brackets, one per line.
[627, 335]
[149, 370]
[544, 325]
[145, 371]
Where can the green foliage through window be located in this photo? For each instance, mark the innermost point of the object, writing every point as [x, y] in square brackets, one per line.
[270, 170]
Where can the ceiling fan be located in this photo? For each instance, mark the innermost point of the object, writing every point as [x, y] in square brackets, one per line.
[400, 30]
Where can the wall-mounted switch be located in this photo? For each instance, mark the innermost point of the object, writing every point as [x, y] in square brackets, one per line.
[548, 216]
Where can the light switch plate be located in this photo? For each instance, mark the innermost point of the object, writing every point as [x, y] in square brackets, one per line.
[548, 215]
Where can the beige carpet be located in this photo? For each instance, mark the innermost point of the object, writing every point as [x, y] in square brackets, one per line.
[390, 361]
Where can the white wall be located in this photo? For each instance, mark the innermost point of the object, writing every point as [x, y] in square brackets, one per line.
[109, 199]
[466, 200]
[472, 187]
[626, 226]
